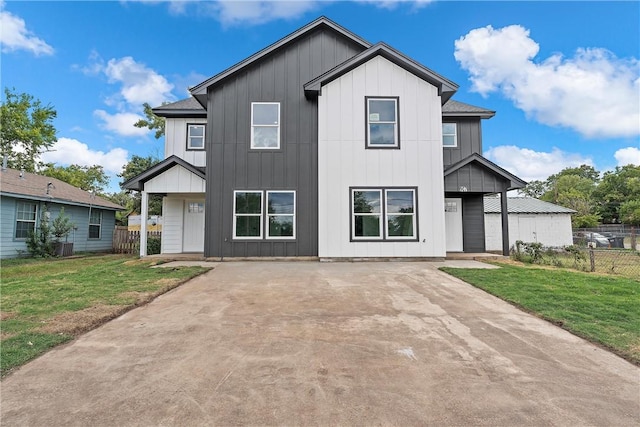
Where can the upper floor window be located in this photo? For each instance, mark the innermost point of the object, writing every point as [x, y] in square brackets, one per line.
[195, 137]
[382, 123]
[265, 125]
[449, 135]
[95, 224]
[25, 219]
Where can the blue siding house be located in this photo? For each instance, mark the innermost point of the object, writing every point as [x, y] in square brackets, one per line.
[23, 196]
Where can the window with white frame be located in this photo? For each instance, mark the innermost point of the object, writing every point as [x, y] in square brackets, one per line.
[281, 214]
[195, 136]
[95, 223]
[26, 213]
[275, 210]
[449, 135]
[265, 125]
[382, 123]
[383, 214]
[247, 214]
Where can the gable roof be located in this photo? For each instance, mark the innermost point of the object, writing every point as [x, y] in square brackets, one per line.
[37, 187]
[137, 182]
[200, 91]
[453, 108]
[524, 205]
[185, 108]
[515, 182]
[446, 88]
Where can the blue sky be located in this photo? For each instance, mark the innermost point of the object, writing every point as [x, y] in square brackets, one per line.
[564, 77]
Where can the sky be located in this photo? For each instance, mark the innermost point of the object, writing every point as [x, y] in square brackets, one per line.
[563, 77]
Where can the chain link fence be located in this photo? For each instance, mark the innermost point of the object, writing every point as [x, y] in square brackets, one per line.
[622, 262]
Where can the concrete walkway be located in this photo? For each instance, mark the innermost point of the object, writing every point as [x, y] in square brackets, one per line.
[308, 343]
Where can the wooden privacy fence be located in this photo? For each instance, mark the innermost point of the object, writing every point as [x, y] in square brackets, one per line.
[127, 241]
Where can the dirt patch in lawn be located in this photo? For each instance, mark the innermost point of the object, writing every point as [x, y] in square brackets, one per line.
[78, 322]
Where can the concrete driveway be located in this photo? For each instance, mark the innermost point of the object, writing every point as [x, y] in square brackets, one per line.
[307, 343]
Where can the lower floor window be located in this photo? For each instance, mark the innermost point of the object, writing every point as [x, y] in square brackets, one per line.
[25, 219]
[95, 224]
[273, 210]
[383, 214]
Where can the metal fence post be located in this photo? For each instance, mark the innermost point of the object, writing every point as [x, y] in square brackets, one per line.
[592, 259]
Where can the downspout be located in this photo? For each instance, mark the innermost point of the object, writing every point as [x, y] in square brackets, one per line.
[505, 222]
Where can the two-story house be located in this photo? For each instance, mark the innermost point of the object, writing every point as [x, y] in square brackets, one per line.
[324, 145]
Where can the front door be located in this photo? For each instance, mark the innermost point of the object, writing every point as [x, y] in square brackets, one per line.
[193, 229]
[453, 224]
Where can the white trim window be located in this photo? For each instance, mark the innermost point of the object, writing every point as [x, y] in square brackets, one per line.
[26, 214]
[95, 224]
[281, 214]
[449, 135]
[265, 125]
[383, 214]
[382, 123]
[247, 214]
[195, 136]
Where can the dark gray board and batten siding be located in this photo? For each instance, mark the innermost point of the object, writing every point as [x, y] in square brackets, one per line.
[232, 165]
[469, 139]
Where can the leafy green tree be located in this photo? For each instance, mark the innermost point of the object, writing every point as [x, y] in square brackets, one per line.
[133, 168]
[124, 199]
[616, 188]
[630, 212]
[534, 189]
[88, 178]
[26, 130]
[152, 121]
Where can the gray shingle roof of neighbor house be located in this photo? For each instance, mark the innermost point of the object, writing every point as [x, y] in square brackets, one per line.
[524, 205]
[446, 88]
[200, 91]
[47, 189]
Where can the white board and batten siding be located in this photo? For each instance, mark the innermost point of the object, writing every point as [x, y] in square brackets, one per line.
[176, 141]
[344, 162]
[172, 212]
[552, 230]
[175, 180]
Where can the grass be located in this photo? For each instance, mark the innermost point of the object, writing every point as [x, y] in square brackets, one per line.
[44, 303]
[602, 309]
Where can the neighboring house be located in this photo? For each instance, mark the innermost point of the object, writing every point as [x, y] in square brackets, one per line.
[323, 144]
[23, 196]
[530, 220]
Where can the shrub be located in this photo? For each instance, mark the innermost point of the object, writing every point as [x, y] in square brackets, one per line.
[153, 245]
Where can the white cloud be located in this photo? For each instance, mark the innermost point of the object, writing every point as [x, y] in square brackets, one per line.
[14, 35]
[628, 156]
[392, 4]
[121, 123]
[594, 92]
[67, 151]
[234, 12]
[534, 165]
[140, 84]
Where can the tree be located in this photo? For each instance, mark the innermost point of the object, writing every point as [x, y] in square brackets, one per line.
[152, 121]
[135, 167]
[126, 200]
[534, 189]
[26, 130]
[88, 178]
[616, 188]
[630, 212]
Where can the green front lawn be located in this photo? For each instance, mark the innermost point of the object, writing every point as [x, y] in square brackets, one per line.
[601, 309]
[47, 302]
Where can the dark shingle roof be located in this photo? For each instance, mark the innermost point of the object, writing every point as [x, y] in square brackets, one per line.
[524, 205]
[457, 108]
[32, 186]
[184, 108]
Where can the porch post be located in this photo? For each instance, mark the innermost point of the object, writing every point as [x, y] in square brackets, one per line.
[505, 222]
[144, 207]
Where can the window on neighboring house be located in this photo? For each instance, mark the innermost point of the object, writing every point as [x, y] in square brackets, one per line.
[265, 125]
[25, 219]
[195, 137]
[449, 135]
[382, 123]
[95, 224]
[383, 214]
[247, 214]
[281, 214]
